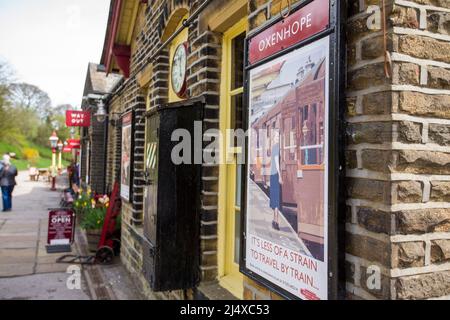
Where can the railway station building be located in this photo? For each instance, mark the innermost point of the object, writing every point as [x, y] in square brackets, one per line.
[344, 191]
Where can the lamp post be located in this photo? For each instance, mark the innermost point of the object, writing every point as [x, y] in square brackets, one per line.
[60, 149]
[54, 144]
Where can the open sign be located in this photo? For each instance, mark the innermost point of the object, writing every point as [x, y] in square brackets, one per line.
[61, 226]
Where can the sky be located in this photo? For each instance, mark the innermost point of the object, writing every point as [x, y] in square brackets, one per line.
[49, 43]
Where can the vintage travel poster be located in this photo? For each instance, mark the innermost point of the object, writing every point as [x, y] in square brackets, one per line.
[125, 177]
[287, 180]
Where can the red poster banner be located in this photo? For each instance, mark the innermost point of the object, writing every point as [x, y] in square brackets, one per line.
[302, 24]
[78, 118]
[61, 225]
[74, 143]
[67, 150]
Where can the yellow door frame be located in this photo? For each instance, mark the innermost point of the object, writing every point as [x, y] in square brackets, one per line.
[229, 275]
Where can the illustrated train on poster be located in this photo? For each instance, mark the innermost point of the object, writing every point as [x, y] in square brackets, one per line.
[298, 114]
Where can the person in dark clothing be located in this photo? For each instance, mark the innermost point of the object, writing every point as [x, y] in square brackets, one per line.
[8, 175]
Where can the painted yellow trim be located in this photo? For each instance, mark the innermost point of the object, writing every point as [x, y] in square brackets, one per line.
[182, 37]
[237, 91]
[235, 10]
[143, 77]
[229, 275]
[133, 21]
[174, 22]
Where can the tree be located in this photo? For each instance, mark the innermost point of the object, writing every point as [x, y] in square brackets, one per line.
[30, 97]
[5, 82]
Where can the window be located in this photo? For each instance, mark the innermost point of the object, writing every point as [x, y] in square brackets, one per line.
[312, 135]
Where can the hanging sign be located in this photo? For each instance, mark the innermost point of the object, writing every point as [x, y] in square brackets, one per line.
[67, 149]
[74, 143]
[290, 186]
[78, 118]
[304, 23]
[61, 226]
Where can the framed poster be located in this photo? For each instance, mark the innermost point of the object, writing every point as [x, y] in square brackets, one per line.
[291, 186]
[126, 171]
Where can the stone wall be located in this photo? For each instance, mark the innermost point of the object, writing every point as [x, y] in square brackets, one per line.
[398, 153]
[397, 157]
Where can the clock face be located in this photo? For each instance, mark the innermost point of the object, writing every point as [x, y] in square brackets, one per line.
[179, 64]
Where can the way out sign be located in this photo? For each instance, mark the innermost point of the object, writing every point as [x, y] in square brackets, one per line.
[78, 118]
[61, 227]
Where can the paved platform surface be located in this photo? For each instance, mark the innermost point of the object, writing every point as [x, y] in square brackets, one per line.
[26, 270]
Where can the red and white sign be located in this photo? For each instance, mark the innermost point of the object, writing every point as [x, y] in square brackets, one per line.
[304, 23]
[78, 118]
[67, 149]
[61, 226]
[74, 143]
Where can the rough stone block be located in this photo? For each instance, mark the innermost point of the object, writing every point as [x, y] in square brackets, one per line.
[424, 47]
[374, 220]
[408, 191]
[373, 190]
[429, 162]
[440, 134]
[377, 103]
[368, 248]
[420, 104]
[440, 251]
[438, 22]
[409, 132]
[423, 286]
[406, 73]
[367, 76]
[377, 160]
[423, 221]
[408, 254]
[370, 132]
[440, 191]
[372, 48]
[404, 17]
[438, 78]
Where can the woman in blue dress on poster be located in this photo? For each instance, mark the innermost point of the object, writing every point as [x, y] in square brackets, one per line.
[276, 179]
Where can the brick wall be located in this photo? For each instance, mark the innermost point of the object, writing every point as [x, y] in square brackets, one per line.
[203, 73]
[398, 155]
[97, 133]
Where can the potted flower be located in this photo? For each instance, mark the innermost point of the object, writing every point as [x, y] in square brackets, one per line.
[82, 203]
[91, 213]
[92, 224]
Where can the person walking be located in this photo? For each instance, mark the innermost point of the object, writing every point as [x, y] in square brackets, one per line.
[276, 179]
[8, 175]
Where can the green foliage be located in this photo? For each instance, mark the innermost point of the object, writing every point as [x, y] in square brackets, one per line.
[93, 219]
[27, 119]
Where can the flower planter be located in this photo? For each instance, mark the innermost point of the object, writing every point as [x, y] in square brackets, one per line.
[93, 239]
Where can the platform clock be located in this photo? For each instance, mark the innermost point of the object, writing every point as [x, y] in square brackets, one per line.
[179, 68]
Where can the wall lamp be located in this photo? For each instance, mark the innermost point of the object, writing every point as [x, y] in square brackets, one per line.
[98, 100]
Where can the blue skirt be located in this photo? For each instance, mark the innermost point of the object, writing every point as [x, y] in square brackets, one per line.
[275, 191]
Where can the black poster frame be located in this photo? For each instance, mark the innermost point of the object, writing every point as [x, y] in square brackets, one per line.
[337, 56]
